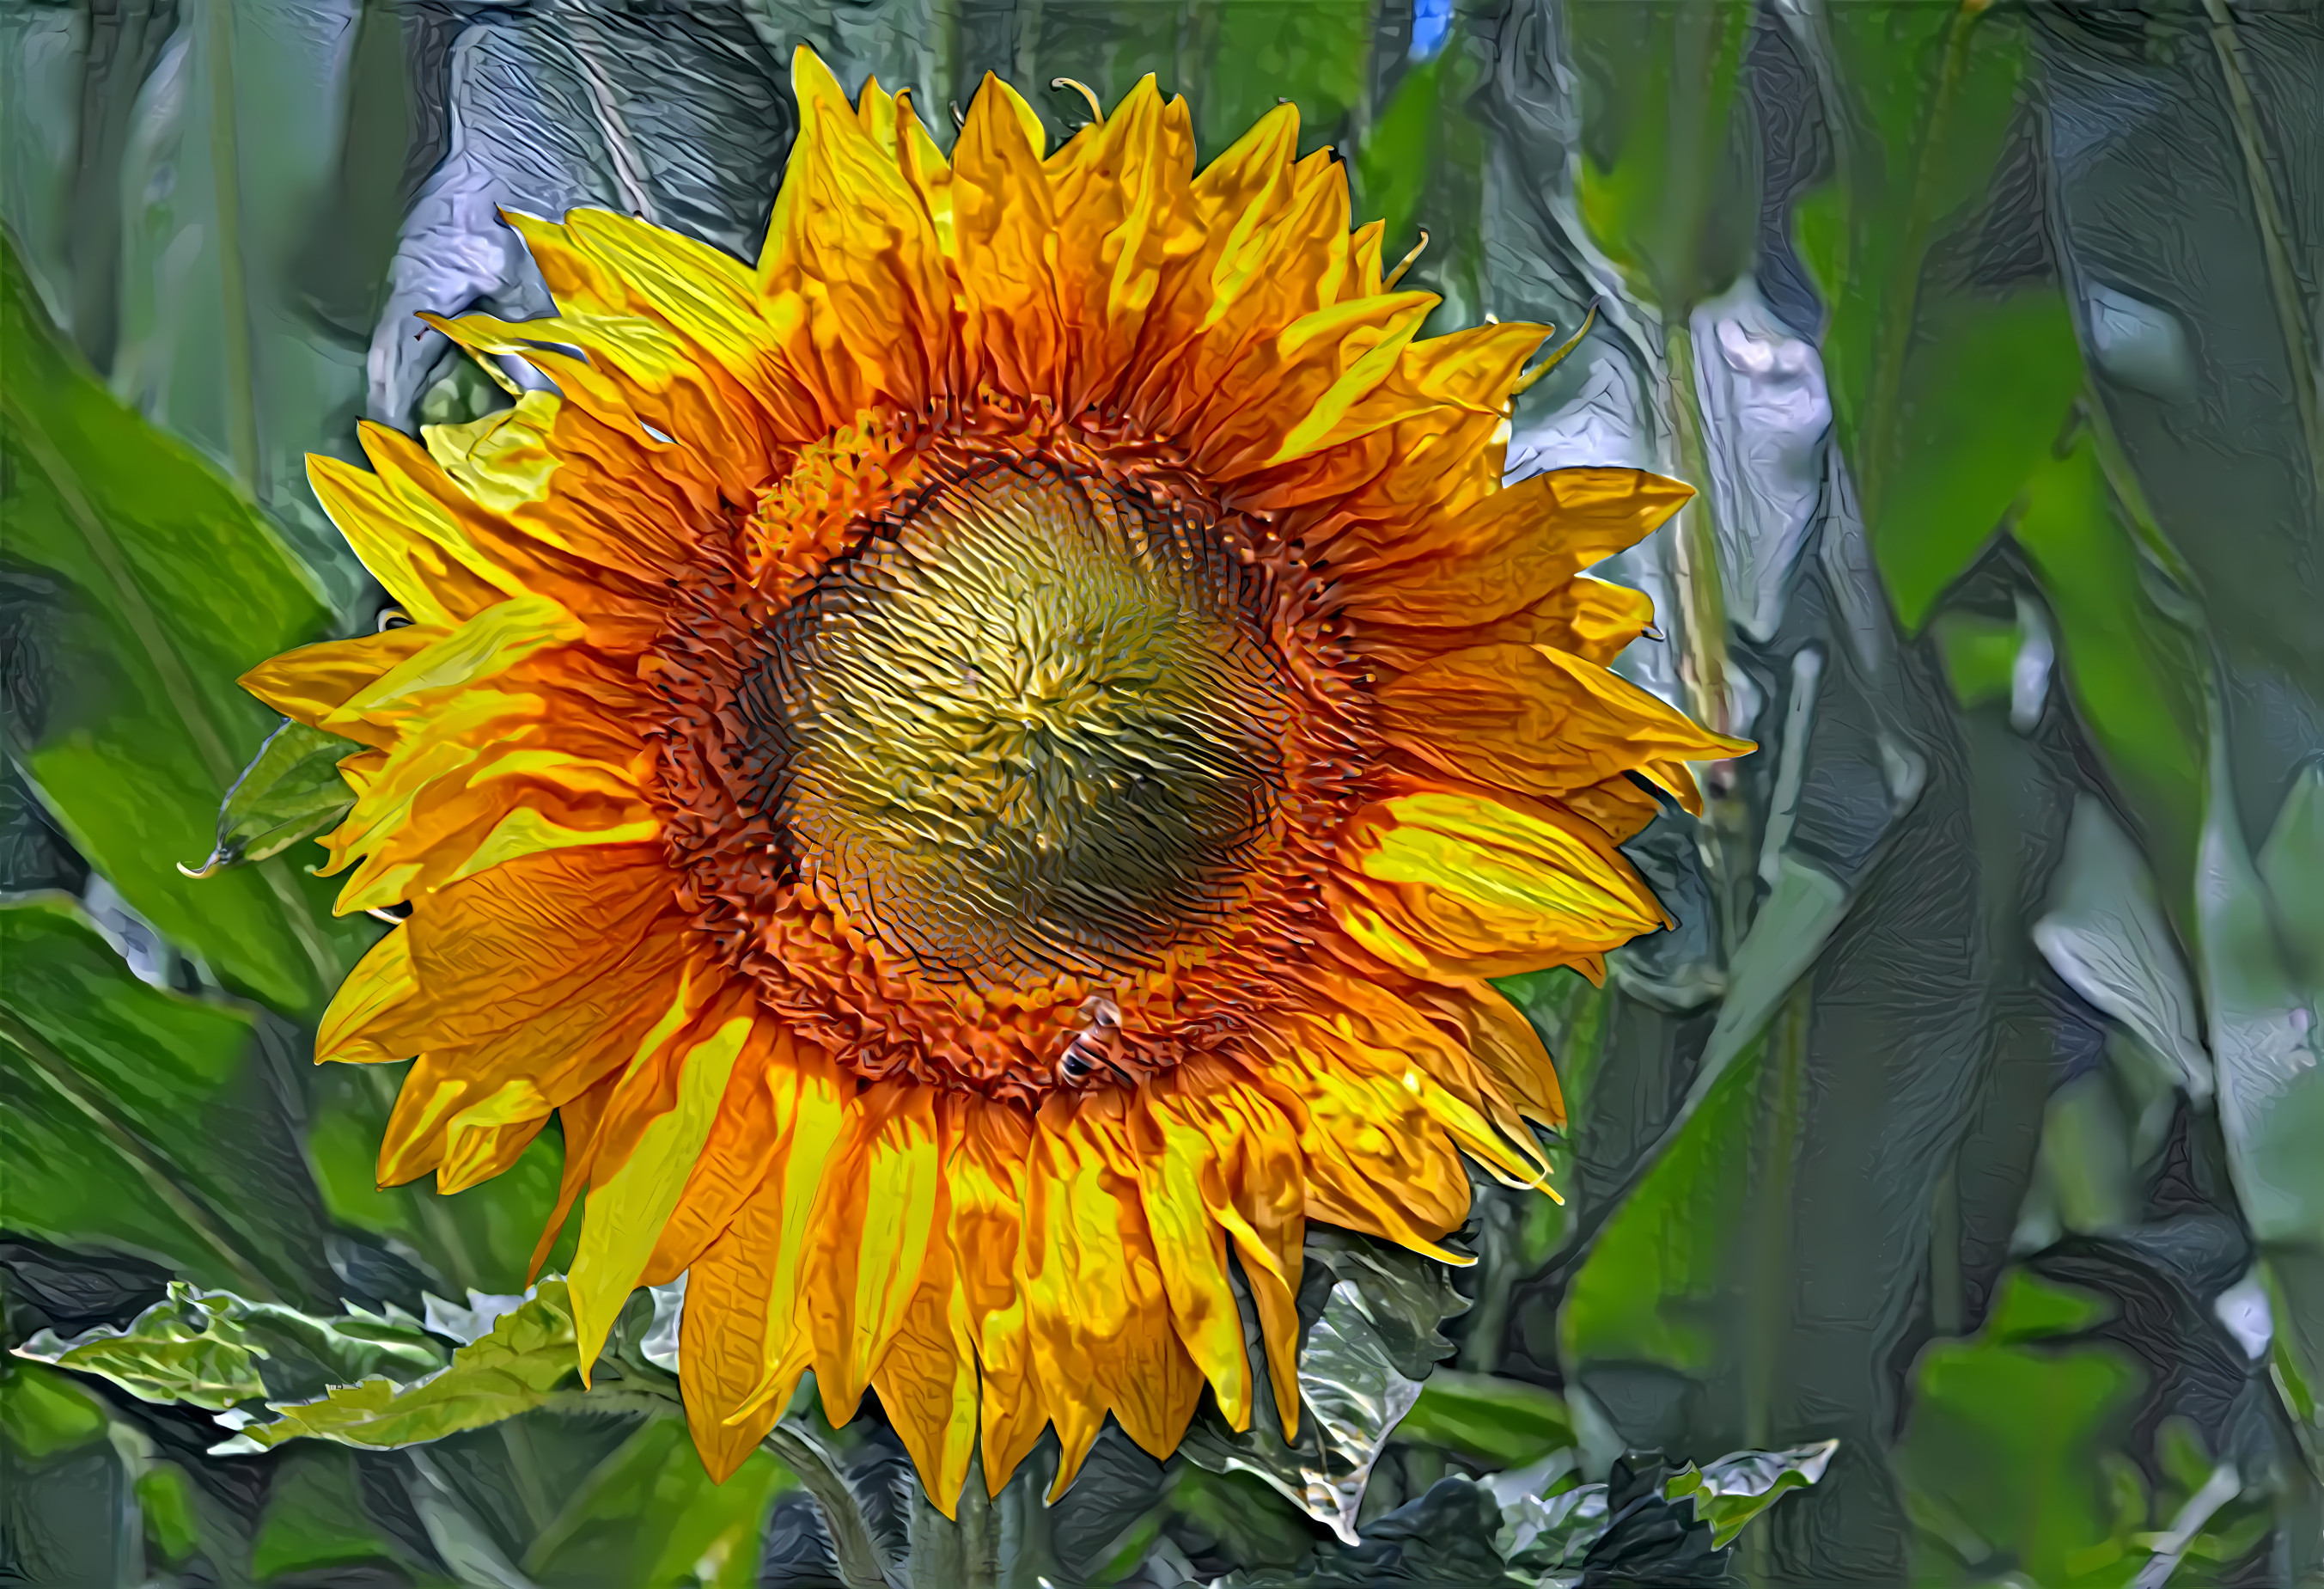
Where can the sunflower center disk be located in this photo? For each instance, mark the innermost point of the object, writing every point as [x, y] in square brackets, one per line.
[1033, 731]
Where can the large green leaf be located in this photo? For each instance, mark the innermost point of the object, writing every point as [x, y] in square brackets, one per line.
[163, 586]
[1655, 1282]
[142, 1119]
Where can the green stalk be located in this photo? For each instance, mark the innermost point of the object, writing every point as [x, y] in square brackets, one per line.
[1782, 1078]
[226, 175]
[2275, 239]
[959, 1552]
[856, 1553]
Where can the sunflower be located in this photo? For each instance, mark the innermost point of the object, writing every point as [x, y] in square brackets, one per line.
[979, 766]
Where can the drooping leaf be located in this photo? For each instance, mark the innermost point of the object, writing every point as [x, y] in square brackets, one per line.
[529, 1354]
[1371, 1311]
[165, 587]
[2107, 935]
[214, 1350]
[291, 792]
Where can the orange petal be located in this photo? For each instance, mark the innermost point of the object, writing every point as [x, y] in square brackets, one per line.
[1504, 553]
[1536, 720]
[744, 1140]
[926, 1379]
[852, 272]
[987, 1216]
[1502, 1040]
[1592, 619]
[722, 1335]
[309, 684]
[1375, 1160]
[382, 983]
[1004, 228]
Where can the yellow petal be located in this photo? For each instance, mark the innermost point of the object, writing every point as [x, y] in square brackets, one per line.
[382, 982]
[722, 1336]
[926, 1379]
[624, 1214]
[1504, 553]
[1486, 876]
[1536, 720]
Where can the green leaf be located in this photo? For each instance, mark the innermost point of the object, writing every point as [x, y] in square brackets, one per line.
[131, 1113]
[530, 1353]
[1656, 1277]
[44, 1412]
[2132, 672]
[1980, 657]
[164, 586]
[1988, 391]
[2001, 1457]
[1949, 391]
[212, 1349]
[293, 791]
[650, 1517]
[1656, 185]
[315, 1517]
[165, 1497]
[2290, 864]
[2264, 1015]
[1736, 1488]
[2027, 1307]
[1503, 1422]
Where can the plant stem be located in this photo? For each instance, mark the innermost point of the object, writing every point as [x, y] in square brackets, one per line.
[225, 176]
[959, 1552]
[2276, 242]
[857, 1554]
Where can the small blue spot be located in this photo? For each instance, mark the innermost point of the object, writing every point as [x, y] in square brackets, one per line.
[1432, 20]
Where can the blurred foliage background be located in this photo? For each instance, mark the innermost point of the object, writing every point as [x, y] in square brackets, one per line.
[1972, 1118]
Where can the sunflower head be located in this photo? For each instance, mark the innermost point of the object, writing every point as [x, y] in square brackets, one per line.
[979, 765]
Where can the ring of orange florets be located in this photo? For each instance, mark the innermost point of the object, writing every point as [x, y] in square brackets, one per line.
[815, 967]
